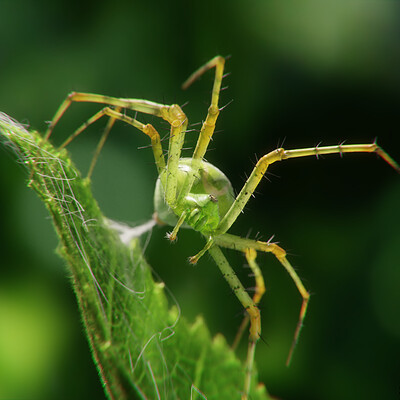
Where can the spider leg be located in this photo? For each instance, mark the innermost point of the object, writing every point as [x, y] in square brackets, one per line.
[208, 126]
[282, 154]
[195, 258]
[248, 304]
[173, 114]
[102, 140]
[114, 115]
[251, 256]
[242, 244]
[144, 106]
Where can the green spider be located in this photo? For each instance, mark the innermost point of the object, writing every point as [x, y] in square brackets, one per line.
[194, 193]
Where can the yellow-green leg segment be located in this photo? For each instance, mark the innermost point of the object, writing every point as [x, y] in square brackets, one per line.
[242, 244]
[102, 140]
[208, 126]
[248, 304]
[259, 291]
[114, 115]
[282, 154]
[170, 113]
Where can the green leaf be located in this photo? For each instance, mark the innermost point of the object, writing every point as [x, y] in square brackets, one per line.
[142, 346]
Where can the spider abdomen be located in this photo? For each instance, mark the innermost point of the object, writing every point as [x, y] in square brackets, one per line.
[208, 201]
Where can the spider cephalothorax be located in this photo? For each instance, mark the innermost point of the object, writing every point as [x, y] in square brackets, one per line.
[209, 199]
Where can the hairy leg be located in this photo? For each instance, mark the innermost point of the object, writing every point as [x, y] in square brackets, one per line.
[282, 154]
[242, 244]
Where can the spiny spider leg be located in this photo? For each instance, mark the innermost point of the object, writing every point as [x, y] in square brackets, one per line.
[102, 140]
[282, 154]
[144, 106]
[248, 304]
[114, 115]
[251, 351]
[251, 256]
[242, 244]
[171, 113]
[208, 126]
[206, 133]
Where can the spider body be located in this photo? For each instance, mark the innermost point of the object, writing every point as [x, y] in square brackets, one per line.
[193, 193]
[205, 205]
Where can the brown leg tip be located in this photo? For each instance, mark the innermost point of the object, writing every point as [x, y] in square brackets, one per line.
[193, 260]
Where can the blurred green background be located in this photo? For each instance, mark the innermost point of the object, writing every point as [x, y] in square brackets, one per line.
[302, 72]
